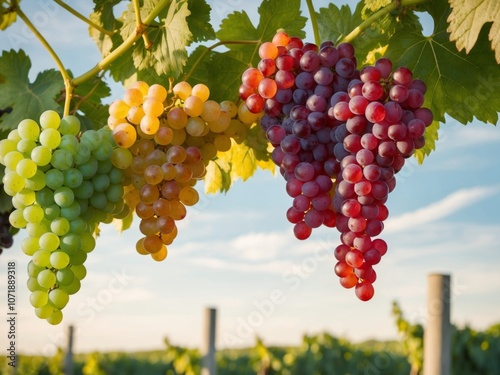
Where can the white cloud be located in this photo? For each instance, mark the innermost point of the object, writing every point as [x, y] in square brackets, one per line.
[259, 246]
[273, 267]
[459, 136]
[445, 207]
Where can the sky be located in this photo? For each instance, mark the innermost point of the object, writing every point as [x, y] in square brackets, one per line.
[236, 252]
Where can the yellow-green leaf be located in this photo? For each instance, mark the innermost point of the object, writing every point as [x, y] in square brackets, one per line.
[466, 20]
[125, 223]
[217, 177]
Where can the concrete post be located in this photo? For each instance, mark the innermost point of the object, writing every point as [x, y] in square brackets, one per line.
[208, 364]
[437, 334]
[69, 367]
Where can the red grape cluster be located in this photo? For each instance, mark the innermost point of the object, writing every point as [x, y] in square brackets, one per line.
[340, 135]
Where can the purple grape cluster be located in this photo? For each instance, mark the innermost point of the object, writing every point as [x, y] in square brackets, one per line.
[340, 136]
[6, 232]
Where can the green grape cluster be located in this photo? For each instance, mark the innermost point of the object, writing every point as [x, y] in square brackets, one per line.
[63, 184]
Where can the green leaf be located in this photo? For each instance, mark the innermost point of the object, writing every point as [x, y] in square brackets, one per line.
[123, 67]
[257, 140]
[221, 71]
[461, 85]
[87, 103]
[375, 5]
[197, 66]
[27, 100]
[273, 16]
[199, 20]
[104, 16]
[5, 199]
[226, 75]
[334, 23]
[237, 26]
[99, 4]
[169, 38]
[467, 19]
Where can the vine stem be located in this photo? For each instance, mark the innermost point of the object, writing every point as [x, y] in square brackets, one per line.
[83, 18]
[139, 26]
[314, 22]
[66, 78]
[378, 14]
[129, 42]
[83, 98]
[212, 47]
[69, 83]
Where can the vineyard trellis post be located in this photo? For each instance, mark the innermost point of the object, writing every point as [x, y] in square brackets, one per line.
[208, 364]
[437, 334]
[68, 357]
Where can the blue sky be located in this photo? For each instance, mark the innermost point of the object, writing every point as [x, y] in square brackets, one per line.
[236, 251]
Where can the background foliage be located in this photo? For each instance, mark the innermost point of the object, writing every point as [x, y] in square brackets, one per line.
[474, 352]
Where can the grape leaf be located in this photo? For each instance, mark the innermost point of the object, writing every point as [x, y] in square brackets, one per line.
[123, 67]
[104, 17]
[199, 20]
[246, 165]
[375, 5]
[125, 223]
[7, 17]
[224, 86]
[5, 200]
[222, 70]
[468, 17]
[462, 85]
[257, 140]
[273, 16]
[197, 68]
[431, 136]
[243, 162]
[87, 103]
[237, 26]
[27, 100]
[169, 38]
[219, 71]
[217, 177]
[335, 23]
[99, 4]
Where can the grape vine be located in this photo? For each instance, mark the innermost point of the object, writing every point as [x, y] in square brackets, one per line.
[338, 117]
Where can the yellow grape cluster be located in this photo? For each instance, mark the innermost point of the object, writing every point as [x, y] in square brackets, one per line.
[167, 139]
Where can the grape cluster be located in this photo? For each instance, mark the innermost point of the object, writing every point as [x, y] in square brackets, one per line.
[340, 135]
[171, 137]
[62, 185]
